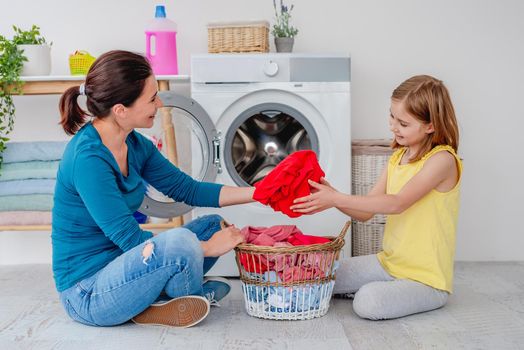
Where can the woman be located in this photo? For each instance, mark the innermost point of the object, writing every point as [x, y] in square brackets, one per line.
[106, 269]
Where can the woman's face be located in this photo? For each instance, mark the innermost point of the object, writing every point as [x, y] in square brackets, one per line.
[141, 113]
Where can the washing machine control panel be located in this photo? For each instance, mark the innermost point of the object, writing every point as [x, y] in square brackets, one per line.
[271, 68]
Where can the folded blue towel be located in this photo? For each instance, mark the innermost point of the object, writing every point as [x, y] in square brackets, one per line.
[39, 202]
[30, 186]
[29, 170]
[29, 151]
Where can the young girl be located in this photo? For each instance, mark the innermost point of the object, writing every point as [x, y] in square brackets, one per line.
[419, 191]
[106, 268]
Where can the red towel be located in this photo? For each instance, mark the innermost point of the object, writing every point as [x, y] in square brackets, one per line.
[300, 239]
[288, 181]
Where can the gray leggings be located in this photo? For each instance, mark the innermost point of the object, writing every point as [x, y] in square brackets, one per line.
[380, 296]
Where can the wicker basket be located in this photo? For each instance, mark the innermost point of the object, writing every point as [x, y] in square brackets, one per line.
[80, 62]
[238, 37]
[369, 157]
[289, 283]
[366, 238]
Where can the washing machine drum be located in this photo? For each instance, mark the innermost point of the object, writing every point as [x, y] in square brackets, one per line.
[255, 142]
[261, 137]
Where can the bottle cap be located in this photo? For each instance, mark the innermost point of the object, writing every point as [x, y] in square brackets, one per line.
[160, 11]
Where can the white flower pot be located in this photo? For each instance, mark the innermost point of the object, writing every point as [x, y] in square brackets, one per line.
[38, 59]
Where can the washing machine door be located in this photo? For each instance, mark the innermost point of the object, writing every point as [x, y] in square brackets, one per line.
[197, 148]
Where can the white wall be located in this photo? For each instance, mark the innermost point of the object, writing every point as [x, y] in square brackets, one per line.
[475, 46]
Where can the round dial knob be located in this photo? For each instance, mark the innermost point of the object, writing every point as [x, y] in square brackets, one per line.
[271, 69]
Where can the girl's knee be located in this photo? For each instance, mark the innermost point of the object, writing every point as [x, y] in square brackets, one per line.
[368, 304]
[399, 298]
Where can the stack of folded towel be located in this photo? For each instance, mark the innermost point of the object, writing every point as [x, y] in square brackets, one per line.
[27, 182]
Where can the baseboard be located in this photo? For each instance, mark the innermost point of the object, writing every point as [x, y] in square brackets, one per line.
[25, 247]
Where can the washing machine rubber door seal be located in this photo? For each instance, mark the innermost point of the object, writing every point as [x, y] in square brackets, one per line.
[200, 117]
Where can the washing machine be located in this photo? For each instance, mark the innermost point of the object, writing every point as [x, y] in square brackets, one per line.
[247, 112]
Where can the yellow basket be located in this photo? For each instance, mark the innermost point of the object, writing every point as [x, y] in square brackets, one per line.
[80, 62]
[238, 37]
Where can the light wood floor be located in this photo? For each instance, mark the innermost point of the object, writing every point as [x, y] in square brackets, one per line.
[485, 312]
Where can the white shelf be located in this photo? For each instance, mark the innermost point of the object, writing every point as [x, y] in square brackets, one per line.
[50, 78]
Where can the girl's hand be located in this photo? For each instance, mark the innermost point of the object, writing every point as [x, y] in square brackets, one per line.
[321, 198]
[222, 241]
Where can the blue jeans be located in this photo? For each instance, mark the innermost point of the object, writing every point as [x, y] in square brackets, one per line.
[134, 280]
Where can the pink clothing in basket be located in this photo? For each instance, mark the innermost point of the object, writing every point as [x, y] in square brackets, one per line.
[269, 236]
[290, 267]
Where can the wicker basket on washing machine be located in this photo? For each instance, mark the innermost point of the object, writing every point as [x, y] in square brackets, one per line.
[250, 36]
[369, 157]
[277, 283]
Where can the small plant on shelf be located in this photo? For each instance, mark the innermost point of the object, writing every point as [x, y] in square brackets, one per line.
[282, 28]
[12, 60]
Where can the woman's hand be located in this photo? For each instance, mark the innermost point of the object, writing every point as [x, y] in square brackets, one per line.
[322, 198]
[222, 241]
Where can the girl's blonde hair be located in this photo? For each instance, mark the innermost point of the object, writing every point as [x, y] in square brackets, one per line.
[427, 99]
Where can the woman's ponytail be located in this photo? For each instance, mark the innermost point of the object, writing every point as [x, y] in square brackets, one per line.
[72, 116]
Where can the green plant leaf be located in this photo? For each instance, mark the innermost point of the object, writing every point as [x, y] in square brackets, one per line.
[11, 63]
[28, 37]
[282, 27]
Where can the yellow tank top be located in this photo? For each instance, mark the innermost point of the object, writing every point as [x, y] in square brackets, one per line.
[419, 244]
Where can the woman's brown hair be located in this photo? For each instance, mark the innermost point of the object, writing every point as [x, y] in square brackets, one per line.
[115, 77]
[427, 99]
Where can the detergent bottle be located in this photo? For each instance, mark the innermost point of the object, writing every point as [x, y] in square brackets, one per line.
[161, 43]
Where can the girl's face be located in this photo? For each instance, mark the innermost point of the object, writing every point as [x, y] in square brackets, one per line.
[141, 113]
[407, 130]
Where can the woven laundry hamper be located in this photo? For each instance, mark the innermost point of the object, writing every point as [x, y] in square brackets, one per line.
[369, 157]
[250, 36]
[289, 283]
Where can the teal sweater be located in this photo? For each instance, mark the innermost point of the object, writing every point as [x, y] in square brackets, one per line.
[94, 203]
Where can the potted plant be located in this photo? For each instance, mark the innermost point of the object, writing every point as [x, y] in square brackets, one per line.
[12, 59]
[35, 49]
[283, 32]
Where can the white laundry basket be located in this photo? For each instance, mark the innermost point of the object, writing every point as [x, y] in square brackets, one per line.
[289, 283]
